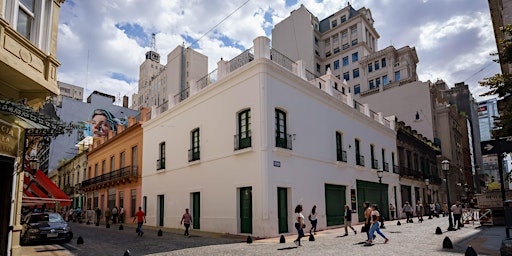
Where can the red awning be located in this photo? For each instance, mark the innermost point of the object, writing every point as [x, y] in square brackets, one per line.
[38, 189]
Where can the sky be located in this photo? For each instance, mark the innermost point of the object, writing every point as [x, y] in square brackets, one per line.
[101, 44]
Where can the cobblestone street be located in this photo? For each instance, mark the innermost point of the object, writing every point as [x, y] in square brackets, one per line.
[406, 239]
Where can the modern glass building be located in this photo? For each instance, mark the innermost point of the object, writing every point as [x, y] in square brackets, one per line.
[487, 111]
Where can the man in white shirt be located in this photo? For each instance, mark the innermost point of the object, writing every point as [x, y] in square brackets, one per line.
[457, 214]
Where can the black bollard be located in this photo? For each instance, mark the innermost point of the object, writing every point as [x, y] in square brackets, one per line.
[121, 227]
[470, 251]
[282, 240]
[97, 224]
[439, 231]
[249, 240]
[88, 223]
[311, 237]
[447, 243]
[159, 232]
[108, 225]
[127, 253]
[80, 240]
[398, 223]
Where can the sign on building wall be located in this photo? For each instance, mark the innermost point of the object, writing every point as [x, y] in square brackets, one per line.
[9, 138]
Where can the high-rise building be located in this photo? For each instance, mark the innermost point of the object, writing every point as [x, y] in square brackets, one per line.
[157, 82]
[487, 111]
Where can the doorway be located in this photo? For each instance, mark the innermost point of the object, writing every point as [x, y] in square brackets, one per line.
[161, 213]
[6, 172]
[196, 210]
[246, 210]
[282, 210]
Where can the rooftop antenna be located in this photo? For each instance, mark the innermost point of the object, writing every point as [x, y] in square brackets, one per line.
[153, 42]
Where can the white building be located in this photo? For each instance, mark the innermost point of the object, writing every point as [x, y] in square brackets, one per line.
[262, 139]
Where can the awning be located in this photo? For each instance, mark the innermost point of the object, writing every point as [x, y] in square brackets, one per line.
[38, 189]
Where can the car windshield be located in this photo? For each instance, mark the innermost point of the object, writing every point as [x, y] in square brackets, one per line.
[38, 218]
[55, 218]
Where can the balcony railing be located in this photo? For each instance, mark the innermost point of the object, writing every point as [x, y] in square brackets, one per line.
[193, 154]
[160, 164]
[386, 167]
[360, 160]
[436, 180]
[404, 171]
[341, 156]
[125, 172]
[284, 140]
[395, 169]
[243, 140]
[375, 164]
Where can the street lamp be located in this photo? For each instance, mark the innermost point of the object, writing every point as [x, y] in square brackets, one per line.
[427, 182]
[445, 165]
[380, 174]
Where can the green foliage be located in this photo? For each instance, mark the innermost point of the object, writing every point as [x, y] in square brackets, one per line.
[501, 85]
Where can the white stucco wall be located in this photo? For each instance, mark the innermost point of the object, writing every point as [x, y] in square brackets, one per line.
[312, 115]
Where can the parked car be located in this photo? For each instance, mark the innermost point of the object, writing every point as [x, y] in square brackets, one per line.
[43, 227]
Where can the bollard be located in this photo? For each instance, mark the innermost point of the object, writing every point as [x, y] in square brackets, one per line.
[88, 223]
[470, 251]
[97, 224]
[121, 227]
[439, 231]
[249, 240]
[80, 240]
[311, 237]
[127, 253]
[108, 225]
[282, 240]
[398, 223]
[447, 243]
[159, 232]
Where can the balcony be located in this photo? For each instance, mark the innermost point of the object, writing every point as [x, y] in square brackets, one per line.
[436, 180]
[404, 171]
[375, 164]
[160, 164]
[124, 175]
[386, 167]
[341, 156]
[243, 140]
[193, 154]
[395, 169]
[284, 140]
[360, 160]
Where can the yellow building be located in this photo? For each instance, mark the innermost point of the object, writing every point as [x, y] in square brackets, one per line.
[114, 169]
[28, 76]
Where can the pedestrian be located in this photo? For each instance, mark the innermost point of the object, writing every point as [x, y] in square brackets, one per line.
[121, 215]
[419, 210]
[457, 214]
[89, 215]
[186, 220]
[299, 224]
[376, 225]
[367, 219]
[438, 209]
[313, 219]
[348, 220]
[108, 215]
[114, 215]
[141, 218]
[98, 215]
[445, 209]
[392, 209]
[407, 209]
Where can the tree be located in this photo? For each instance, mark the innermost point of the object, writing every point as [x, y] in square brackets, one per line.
[501, 85]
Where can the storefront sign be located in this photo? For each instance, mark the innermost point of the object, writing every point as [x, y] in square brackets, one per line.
[9, 138]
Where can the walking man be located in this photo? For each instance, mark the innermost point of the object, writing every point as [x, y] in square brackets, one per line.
[186, 220]
[392, 209]
[408, 211]
[121, 215]
[141, 218]
[114, 215]
[108, 215]
[457, 214]
[348, 220]
[98, 215]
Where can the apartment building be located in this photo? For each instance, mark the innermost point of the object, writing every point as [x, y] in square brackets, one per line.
[157, 81]
[243, 151]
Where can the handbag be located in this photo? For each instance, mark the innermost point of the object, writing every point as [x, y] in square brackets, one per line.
[364, 228]
[303, 225]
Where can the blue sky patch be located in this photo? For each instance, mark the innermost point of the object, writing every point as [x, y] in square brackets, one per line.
[122, 77]
[289, 3]
[136, 32]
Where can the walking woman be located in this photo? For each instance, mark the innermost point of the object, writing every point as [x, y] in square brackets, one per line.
[367, 219]
[299, 223]
[313, 219]
[376, 225]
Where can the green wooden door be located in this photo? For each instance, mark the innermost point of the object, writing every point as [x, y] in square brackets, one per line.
[335, 200]
[161, 203]
[246, 210]
[374, 193]
[282, 209]
[196, 210]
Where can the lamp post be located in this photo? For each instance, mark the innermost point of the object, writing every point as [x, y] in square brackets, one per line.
[427, 182]
[445, 165]
[477, 179]
[380, 174]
